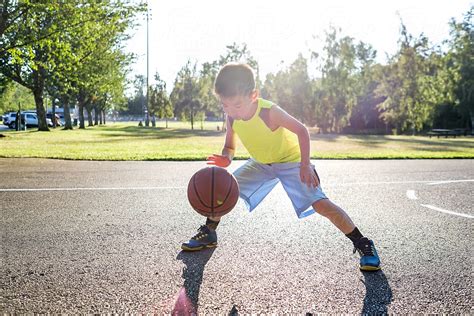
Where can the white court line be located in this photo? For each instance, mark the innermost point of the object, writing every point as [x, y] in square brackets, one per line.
[90, 189]
[446, 211]
[411, 195]
[375, 183]
[337, 184]
[428, 182]
[450, 181]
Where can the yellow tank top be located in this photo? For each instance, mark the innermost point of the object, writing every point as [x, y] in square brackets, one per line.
[264, 145]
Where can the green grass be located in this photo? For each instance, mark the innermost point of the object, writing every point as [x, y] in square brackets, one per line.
[122, 141]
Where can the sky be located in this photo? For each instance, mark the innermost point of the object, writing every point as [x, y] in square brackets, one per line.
[277, 31]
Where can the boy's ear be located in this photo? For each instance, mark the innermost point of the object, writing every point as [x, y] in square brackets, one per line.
[254, 95]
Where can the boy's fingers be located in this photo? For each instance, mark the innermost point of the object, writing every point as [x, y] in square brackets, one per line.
[308, 181]
[218, 160]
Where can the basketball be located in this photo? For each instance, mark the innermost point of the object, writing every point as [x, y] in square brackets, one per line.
[213, 192]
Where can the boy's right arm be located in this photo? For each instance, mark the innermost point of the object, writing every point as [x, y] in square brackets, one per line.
[228, 151]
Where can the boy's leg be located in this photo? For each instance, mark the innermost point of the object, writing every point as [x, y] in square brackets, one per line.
[369, 260]
[212, 222]
[335, 214]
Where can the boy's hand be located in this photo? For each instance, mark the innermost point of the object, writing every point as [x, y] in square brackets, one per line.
[218, 160]
[308, 176]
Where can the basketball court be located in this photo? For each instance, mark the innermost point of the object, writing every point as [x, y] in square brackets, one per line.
[104, 237]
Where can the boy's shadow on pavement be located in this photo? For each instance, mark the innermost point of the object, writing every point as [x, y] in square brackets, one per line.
[188, 297]
[378, 293]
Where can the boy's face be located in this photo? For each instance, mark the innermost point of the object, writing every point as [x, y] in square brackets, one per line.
[240, 106]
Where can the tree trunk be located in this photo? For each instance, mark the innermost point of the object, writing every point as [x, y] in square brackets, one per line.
[166, 119]
[53, 112]
[89, 116]
[103, 116]
[96, 115]
[38, 95]
[81, 103]
[40, 112]
[67, 113]
[471, 114]
[81, 116]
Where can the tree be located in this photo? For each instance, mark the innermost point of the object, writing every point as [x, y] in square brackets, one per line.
[461, 59]
[185, 94]
[44, 43]
[103, 66]
[336, 94]
[365, 114]
[403, 83]
[292, 89]
[27, 31]
[207, 97]
[160, 104]
[12, 94]
[136, 102]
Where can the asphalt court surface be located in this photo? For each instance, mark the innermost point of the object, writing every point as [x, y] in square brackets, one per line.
[87, 237]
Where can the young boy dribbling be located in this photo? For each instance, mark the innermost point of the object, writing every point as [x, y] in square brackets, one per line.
[279, 146]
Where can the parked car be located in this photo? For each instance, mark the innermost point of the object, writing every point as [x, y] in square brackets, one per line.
[8, 118]
[30, 118]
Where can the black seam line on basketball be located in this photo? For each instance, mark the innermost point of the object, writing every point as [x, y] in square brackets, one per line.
[226, 210]
[197, 193]
[230, 189]
[198, 209]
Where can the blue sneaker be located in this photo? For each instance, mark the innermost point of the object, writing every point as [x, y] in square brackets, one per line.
[369, 259]
[205, 238]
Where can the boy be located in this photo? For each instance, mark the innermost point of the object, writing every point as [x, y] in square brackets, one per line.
[280, 149]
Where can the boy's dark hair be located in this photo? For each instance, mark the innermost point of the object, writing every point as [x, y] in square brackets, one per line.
[234, 79]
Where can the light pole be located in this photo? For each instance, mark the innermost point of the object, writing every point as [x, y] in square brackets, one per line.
[147, 120]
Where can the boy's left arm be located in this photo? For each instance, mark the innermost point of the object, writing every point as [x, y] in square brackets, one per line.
[279, 117]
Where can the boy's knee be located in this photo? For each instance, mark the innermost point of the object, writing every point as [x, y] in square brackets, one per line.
[323, 207]
[328, 209]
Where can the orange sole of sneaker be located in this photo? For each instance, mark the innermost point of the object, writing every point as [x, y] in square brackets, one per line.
[199, 248]
[369, 268]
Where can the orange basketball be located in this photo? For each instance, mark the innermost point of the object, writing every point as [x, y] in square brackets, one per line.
[213, 192]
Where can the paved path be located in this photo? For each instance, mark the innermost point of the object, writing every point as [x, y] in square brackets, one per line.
[87, 237]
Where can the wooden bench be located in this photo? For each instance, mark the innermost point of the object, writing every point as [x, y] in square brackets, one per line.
[444, 132]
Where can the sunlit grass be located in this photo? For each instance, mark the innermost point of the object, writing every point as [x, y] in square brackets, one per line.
[127, 141]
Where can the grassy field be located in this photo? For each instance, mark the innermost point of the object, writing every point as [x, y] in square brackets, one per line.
[127, 141]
